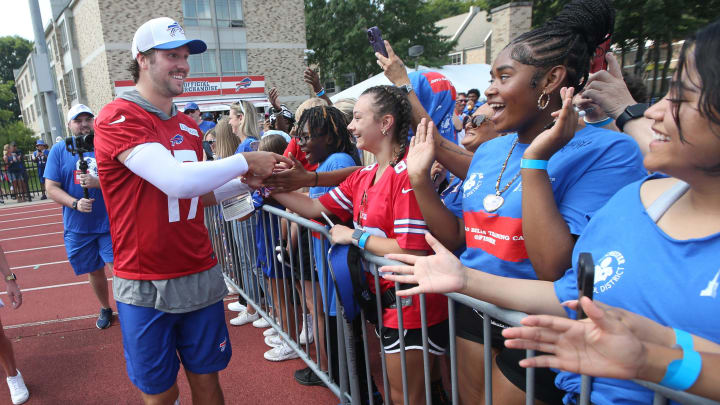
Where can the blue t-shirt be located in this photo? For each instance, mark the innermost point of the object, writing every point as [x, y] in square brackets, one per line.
[584, 174]
[452, 198]
[61, 167]
[640, 268]
[206, 126]
[333, 162]
[245, 145]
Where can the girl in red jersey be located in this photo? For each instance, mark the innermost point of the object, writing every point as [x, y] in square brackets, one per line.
[380, 201]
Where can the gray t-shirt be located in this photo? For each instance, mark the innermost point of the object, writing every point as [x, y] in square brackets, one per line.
[176, 295]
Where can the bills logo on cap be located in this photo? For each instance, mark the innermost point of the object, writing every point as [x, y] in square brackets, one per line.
[243, 84]
[176, 140]
[223, 345]
[175, 28]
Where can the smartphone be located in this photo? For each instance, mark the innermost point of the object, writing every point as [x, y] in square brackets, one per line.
[376, 41]
[598, 62]
[586, 280]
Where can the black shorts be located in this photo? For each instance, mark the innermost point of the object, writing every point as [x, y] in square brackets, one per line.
[469, 326]
[438, 338]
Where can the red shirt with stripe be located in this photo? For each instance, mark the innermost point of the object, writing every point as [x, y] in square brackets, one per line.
[388, 209]
[155, 237]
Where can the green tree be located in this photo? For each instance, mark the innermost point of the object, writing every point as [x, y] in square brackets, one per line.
[13, 53]
[336, 31]
[448, 8]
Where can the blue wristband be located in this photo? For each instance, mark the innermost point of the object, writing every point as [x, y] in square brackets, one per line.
[601, 123]
[321, 92]
[683, 339]
[681, 374]
[533, 164]
[363, 239]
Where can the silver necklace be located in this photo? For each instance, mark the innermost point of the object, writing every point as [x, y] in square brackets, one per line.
[492, 202]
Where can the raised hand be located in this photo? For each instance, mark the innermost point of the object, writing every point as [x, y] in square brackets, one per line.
[311, 77]
[552, 140]
[273, 98]
[601, 345]
[607, 89]
[393, 66]
[439, 273]
[421, 153]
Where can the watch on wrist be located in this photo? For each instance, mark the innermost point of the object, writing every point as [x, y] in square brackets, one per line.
[74, 205]
[356, 235]
[11, 277]
[631, 112]
[407, 88]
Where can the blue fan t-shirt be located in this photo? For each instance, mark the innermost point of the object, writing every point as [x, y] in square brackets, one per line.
[638, 267]
[584, 174]
[452, 198]
[245, 145]
[335, 161]
[61, 166]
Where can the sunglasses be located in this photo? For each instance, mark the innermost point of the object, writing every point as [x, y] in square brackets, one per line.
[461, 100]
[212, 141]
[474, 121]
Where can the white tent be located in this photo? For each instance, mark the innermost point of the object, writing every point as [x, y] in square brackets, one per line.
[463, 77]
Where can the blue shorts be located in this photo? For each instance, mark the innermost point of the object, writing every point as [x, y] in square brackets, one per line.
[153, 340]
[88, 252]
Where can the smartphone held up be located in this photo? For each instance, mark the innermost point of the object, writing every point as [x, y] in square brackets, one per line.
[376, 41]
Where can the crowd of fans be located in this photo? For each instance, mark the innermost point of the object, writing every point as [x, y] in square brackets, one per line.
[494, 198]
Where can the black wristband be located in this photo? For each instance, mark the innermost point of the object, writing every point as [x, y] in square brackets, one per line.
[631, 112]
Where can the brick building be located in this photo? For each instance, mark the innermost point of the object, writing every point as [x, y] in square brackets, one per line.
[89, 48]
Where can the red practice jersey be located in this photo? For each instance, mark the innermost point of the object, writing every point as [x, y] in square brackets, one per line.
[387, 208]
[155, 237]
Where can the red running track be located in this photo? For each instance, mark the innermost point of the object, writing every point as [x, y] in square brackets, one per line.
[66, 360]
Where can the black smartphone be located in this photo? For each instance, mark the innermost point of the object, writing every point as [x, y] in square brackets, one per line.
[586, 280]
[376, 41]
[598, 61]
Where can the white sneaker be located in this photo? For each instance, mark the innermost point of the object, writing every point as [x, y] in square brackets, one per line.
[274, 341]
[261, 323]
[281, 353]
[18, 391]
[270, 332]
[237, 306]
[243, 318]
[308, 322]
[231, 288]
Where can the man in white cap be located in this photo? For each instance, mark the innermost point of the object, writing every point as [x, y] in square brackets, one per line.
[87, 230]
[167, 282]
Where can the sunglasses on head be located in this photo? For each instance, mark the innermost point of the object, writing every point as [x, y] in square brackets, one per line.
[474, 121]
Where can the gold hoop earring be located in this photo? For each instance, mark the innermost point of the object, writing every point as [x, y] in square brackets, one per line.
[543, 105]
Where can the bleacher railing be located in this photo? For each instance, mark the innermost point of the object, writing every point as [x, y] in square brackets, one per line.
[235, 245]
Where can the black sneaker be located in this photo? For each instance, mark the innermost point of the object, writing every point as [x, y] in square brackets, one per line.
[306, 376]
[105, 318]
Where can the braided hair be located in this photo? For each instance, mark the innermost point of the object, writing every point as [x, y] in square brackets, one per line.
[569, 39]
[323, 120]
[391, 100]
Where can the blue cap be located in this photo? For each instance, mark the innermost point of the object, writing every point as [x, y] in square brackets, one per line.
[191, 106]
[437, 95]
[40, 142]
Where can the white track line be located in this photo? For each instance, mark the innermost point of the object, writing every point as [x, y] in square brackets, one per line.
[30, 226]
[38, 265]
[21, 209]
[31, 236]
[28, 218]
[40, 323]
[27, 212]
[47, 287]
[37, 248]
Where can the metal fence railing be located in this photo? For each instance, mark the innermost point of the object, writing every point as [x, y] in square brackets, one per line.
[347, 372]
[22, 183]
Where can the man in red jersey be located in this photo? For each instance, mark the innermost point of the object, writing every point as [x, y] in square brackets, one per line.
[167, 283]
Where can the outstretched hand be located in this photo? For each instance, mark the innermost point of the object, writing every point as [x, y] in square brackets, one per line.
[290, 179]
[439, 273]
[261, 166]
[607, 89]
[563, 130]
[601, 345]
[393, 66]
[421, 153]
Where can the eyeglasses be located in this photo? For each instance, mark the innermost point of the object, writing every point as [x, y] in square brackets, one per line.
[212, 141]
[474, 121]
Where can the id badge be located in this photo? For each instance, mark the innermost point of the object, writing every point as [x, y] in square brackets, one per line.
[76, 173]
[237, 207]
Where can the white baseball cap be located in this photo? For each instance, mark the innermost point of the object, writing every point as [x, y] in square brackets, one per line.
[163, 33]
[78, 109]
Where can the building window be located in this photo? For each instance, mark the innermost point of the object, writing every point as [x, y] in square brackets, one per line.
[348, 80]
[70, 87]
[229, 13]
[233, 61]
[18, 87]
[456, 58]
[203, 64]
[64, 44]
[197, 12]
[32, 112]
